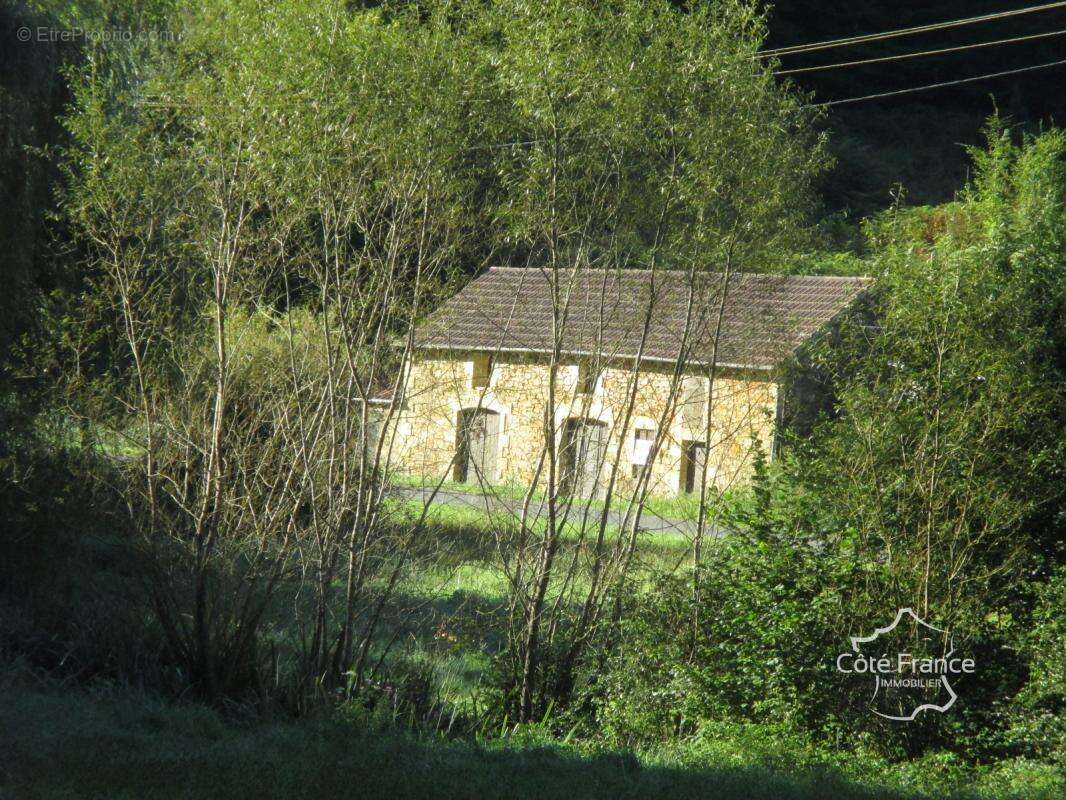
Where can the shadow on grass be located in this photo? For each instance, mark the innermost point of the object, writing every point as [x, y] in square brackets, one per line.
[121, 745]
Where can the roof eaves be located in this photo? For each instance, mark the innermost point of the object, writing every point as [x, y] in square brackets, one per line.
[588, 354]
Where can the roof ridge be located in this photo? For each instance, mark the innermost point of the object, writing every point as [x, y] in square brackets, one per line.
[850, 278]
[583, 269]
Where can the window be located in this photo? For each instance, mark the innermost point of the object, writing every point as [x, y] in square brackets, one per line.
[587, 377]
[482, 370]
[643, 450]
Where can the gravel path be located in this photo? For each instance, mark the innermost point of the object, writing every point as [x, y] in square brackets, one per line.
[499, 504]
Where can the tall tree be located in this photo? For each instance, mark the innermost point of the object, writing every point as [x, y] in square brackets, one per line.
[631, 135]
[946, 463]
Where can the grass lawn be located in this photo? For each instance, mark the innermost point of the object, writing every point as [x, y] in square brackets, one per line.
[61, 741]
[676, 507]
[579, 527]
[118, 744]
[466, 590]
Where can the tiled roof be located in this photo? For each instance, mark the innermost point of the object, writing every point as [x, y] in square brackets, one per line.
[766, 317]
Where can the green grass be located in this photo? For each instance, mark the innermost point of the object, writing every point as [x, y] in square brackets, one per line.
[581, 526]
[462, 586]
[677, 507]
[59, 741]
[455, 579]
[121, 745]
[471, 533]
[508, 490]
[64, 434]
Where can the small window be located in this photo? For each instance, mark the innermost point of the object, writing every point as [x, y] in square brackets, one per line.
[587, 378]
[643, 450]
[482, 370]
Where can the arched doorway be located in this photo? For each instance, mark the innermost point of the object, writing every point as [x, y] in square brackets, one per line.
[477, 444]
[584, 444]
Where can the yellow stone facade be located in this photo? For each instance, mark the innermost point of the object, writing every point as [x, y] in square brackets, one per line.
[441, 384]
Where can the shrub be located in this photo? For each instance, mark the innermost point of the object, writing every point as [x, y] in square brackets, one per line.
[757, 647]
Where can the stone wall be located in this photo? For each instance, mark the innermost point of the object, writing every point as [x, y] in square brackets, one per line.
[440, 387]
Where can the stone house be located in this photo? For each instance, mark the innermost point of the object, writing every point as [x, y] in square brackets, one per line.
[633, 351]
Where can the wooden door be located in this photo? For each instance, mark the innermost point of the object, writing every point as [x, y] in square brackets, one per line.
[694, 456]
[478, 443]
[584, 447]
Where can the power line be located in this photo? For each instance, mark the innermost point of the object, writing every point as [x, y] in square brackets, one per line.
[902, 56]
[871, 37]
[943, 84]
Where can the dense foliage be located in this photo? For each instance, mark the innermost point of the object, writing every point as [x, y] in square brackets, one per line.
[937, 485]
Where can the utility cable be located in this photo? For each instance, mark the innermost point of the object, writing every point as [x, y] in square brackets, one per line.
[902, 56]
[941, 85]
[872, 37]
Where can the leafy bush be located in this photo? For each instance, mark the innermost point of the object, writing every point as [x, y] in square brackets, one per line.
[758, 646]
[936, 483]
[778, 601]
[1038, 712]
